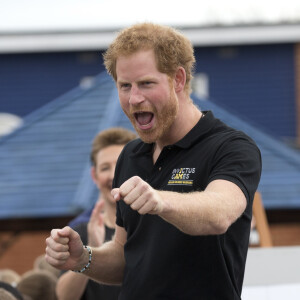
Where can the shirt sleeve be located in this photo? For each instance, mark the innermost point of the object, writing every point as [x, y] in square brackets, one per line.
[238, 160]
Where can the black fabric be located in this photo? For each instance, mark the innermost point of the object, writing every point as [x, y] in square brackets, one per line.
[11, 290]
[161, 261]
[95, 290]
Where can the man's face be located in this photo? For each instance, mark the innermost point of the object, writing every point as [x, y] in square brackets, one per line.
[146, 95]
[103, 172]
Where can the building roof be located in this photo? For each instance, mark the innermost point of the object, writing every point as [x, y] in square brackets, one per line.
[44, 166]
[99, 38]
[60, 25]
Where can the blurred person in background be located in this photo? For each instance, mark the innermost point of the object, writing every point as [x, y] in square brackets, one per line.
[10, 292]
[9, 276]
[37, 285]
[97, 225]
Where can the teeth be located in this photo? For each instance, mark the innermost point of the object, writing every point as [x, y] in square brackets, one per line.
[145, 125]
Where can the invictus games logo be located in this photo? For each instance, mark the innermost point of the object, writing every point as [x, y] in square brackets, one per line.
[182, 176]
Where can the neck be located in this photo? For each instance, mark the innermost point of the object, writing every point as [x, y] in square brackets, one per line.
[188, 117]
[109, 215]
[109, 220]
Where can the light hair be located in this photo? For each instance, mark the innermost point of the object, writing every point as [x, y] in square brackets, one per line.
[40, 263]
[9, 292]
[6, 295]
[38, 284]
[171, 49]
[109, 137]
[9, 276]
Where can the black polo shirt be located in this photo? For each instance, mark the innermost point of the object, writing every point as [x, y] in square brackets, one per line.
[161, 261]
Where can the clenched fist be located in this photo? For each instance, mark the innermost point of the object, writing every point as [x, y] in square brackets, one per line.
[140, 196]
[65, 250]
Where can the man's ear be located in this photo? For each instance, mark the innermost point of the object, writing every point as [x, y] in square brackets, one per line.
[179, 80]
[93, 174]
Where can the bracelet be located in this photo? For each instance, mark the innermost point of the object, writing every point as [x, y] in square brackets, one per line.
[89, 263]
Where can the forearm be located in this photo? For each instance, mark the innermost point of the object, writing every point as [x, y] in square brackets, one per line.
[71, 286]
[190, 215]
[107, 265]
[199, 213]
[203, 213]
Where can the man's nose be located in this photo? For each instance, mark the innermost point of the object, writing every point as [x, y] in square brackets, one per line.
[136, 96]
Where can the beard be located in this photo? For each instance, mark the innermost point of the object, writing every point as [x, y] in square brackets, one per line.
[164, 118]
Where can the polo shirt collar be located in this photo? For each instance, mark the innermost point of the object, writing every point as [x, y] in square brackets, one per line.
[198, 131]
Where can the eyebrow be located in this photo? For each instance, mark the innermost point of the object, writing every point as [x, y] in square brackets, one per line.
[146, 78]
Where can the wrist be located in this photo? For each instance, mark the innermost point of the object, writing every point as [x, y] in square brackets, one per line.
[87, 257]
[164, 206]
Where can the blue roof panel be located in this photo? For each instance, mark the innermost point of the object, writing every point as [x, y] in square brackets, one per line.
[45, 169]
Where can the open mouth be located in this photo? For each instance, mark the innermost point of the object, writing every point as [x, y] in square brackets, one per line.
[144, 118]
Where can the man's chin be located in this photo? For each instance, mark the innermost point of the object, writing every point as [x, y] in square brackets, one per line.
[147, 141]
[147, 137]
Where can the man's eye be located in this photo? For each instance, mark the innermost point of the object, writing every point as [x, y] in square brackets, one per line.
[104, 169]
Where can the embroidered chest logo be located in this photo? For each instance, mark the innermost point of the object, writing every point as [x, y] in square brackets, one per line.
[182, 176]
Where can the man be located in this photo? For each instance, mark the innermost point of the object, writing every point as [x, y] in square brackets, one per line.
[184, 191]
[98, 224]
